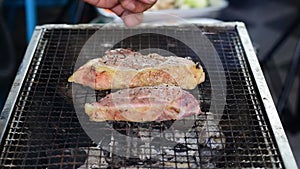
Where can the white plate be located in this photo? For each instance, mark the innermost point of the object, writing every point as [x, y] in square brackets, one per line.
[216, 5]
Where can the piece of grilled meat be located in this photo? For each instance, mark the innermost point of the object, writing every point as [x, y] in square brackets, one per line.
[143, 104]
[123, 68]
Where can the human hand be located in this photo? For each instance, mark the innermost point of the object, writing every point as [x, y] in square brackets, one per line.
[131, 11]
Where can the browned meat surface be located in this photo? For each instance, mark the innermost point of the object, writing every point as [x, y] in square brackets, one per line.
[123, 68]
[142, 104]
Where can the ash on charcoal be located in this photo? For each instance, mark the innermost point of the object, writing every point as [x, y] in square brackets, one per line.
[95, 159]
[150, 147]
[208, 132]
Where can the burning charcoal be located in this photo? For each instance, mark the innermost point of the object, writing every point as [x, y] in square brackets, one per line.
[208, 166]
[95, 159]
[206, 155]
[171, 159]
[217, 142]
[170, 165]
[181, 148]
[208, 131]
[127, 152]
[177, 152]
[209, 158]
[148, 152]
[70, 157]
[116, 161]
[182, 161]
[126, 128]
[159, 141]
[116, 144]
[174, 148]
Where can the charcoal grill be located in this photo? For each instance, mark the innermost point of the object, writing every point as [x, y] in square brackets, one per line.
[42, 130]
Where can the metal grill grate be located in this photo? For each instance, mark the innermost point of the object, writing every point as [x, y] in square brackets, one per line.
[44, 131]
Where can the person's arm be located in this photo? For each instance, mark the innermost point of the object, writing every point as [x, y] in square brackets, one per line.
[129, 10]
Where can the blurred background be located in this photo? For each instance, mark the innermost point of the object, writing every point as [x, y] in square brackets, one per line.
[273, 25]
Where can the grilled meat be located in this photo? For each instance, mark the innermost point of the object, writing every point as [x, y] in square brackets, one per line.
[142, 104]
[123, 68]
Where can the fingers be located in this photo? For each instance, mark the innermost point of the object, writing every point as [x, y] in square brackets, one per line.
[103, 3]
[131, 11]
[137, 6]
[118, 9]
[132, 19]
[150, 2]
[128, 4]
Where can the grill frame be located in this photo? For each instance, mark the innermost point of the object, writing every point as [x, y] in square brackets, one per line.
[251, 58]
[265, 95]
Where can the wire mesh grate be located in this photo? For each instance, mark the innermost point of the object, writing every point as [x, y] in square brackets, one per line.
[45, 131]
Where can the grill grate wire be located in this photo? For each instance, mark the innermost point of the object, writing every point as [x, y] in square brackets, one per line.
[45, 131]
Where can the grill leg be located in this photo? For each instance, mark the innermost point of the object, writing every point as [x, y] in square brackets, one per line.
[282, 39]
[290, 79]
[291, 121]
